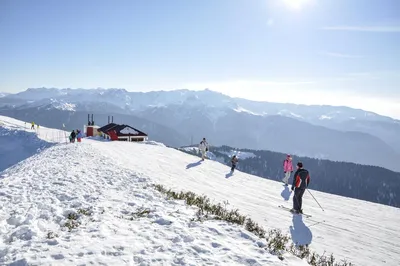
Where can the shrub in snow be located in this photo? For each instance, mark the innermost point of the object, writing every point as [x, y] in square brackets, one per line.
[277, 242]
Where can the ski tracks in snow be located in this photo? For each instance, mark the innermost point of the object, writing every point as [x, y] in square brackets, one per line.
[114, 215]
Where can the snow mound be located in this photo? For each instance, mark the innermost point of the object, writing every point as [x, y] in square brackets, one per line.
[18, 141]
[58, 209]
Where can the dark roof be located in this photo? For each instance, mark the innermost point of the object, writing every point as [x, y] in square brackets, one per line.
[118, 128]
[121, 127]
[106, 128]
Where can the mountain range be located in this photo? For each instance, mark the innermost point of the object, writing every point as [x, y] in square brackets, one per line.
[183, 117]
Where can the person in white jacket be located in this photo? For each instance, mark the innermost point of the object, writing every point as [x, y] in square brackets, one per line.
[203, 148]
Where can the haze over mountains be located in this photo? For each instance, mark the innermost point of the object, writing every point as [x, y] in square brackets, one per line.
[183, 117]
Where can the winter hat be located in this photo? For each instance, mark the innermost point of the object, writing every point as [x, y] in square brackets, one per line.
[300, 164]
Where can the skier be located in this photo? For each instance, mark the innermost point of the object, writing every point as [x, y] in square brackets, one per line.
[287, 169]
[301, 180]
[234, 162]
[33, 125]
[203, 148]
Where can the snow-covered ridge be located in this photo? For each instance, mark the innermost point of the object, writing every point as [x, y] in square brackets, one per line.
[112, 182]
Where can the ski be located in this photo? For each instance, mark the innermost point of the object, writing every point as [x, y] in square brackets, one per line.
[288, 209]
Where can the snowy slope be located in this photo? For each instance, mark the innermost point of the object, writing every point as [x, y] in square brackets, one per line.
[112, 180]
[362, 232]
[18, 141]
[39, 196]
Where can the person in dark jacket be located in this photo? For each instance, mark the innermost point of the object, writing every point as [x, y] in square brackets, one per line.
[73, 136]
[234, 162]
[301, 180]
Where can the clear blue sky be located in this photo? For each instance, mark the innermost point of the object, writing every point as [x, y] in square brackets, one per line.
[340, 52]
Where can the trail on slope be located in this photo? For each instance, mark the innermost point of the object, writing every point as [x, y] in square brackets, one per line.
[360, 232]
[40, 195]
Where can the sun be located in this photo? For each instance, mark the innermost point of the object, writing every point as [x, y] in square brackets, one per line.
[296, 4]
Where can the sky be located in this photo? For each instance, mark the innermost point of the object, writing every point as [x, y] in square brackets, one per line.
[336, 52]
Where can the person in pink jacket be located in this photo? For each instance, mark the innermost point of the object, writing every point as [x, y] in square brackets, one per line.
[287, 169]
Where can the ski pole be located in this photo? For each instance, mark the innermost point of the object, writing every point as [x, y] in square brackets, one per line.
[315, 200]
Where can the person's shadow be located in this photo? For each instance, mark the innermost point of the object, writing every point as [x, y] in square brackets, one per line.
[229, 174]
[193, 164]
[286, 193]
[301, 234]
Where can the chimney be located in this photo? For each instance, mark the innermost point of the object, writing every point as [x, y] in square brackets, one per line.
[108, 120]
[88, 119]
[92, 121]
[112, 119]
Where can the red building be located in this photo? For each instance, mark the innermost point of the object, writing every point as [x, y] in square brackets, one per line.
[122, 133]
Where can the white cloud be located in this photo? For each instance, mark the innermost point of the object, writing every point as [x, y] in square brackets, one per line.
[393, 28]
[340, 55]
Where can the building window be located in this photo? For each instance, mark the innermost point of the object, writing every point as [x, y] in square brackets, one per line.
[137, 139]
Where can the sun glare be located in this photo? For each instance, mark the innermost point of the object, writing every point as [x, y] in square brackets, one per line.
[295, 4]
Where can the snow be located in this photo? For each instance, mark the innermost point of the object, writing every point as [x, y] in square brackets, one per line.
[285, 112]
[152, 142]
[40, 194]
[325, 117]
[240, 154]
[112, 181]
[341, 229]
[129, 130]
[63, 105]
[18, 141]
[243, 110]
[295, 115]
[3, 94]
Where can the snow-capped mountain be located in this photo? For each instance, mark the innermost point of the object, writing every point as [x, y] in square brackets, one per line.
[3, 94]
[139, 101]
[336, 133]
[103, 209]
